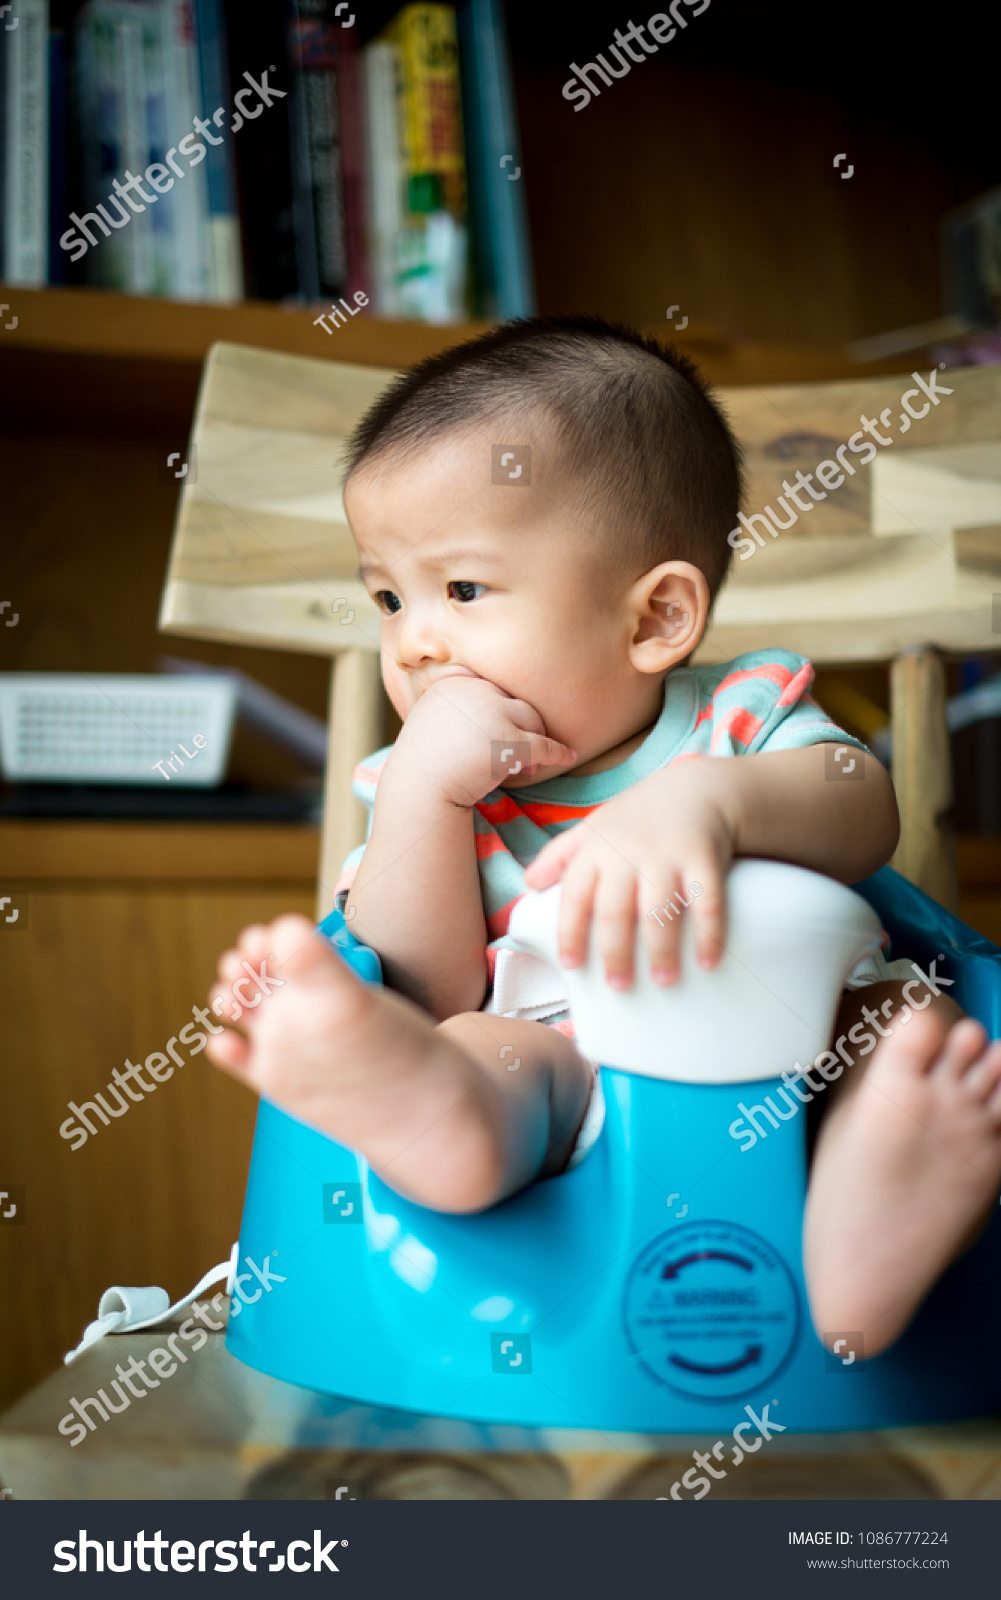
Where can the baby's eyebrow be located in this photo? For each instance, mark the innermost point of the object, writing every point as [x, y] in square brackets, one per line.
[482, 558]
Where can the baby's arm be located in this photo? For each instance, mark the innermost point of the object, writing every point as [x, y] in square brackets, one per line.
[417, 890]
[785, 805]
[684, 824]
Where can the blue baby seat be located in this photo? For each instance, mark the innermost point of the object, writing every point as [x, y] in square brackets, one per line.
[657, 1287]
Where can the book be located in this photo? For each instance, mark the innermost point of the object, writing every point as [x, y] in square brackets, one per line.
[349, 93]
[504, 284]
[431, 253]
[137, 103]
[315, 124]
[99, 104]
[25, 146]
[255, 43]
[148, 268]
[186, 206]
[3, 149]
[224, 247]
[383, 163]
[432, 114]
[58, 154]
[158, 221]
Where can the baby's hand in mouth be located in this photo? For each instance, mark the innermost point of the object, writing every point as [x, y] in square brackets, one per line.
[466, 736]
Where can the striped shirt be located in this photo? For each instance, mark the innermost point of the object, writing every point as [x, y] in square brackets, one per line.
[757, 702]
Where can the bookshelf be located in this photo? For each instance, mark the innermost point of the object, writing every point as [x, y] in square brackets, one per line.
[93, 322]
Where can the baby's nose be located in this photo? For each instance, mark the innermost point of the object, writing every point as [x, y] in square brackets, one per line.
[419, 645]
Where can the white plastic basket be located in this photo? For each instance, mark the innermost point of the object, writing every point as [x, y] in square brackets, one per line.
[110, 728]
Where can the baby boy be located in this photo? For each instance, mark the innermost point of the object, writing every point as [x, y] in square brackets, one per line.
[541, 601]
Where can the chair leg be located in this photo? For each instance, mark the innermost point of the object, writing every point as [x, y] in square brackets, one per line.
[922, 776]
[357, 715]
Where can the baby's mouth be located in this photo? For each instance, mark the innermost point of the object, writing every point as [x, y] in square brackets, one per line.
[447, 672]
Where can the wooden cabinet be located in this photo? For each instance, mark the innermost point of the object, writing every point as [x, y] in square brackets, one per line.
[123, 925]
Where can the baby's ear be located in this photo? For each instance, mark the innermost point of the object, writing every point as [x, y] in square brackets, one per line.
[672, 602]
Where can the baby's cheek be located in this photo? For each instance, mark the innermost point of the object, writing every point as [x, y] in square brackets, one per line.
[395, 684]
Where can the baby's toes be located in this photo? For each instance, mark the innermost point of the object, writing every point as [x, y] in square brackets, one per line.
[255, 942]
[984, 1076]
[993, 1106]
[300, 952]
[230, 1051]
[229, 966]
[964, 1046]
[222, 1001]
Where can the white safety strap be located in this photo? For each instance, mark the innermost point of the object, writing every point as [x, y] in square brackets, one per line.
[128, 1310]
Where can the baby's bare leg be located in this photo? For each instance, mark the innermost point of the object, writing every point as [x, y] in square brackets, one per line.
[907, 1163]
[438, 1111]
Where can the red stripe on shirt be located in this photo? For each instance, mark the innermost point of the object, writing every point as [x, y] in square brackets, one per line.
[498, 923]
[498, 811]
[797, 685]
[740, 724]
[772, 670]
[363, 774]
[545, 814]
[489, 844]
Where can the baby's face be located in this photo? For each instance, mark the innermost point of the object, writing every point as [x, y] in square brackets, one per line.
[495, 580]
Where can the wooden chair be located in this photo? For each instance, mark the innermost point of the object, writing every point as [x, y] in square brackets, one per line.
[897, 564]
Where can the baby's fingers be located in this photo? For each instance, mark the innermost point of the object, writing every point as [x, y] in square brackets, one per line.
[615, 926]
[573, 929]
[525, 751]
[662, 925]
[548, 752]
[709, 913]
[554, 858]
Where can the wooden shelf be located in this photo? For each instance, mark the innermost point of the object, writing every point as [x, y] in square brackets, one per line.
[92, 322]
[114, 851]
[95, 323]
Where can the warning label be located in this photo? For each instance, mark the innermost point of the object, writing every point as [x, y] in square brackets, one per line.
[711, 1309]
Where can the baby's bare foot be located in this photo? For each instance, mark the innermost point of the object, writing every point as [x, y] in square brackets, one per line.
[906, 1167]
[360, 1063]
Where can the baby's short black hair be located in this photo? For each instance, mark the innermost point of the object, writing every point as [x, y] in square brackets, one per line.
[639, 437]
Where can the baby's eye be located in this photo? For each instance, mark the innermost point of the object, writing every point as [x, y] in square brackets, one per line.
[463, 591]
[387, 601]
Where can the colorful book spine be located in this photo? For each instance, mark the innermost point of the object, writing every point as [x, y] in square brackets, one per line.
[26, 159]
[431, 253]
[432, 113]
